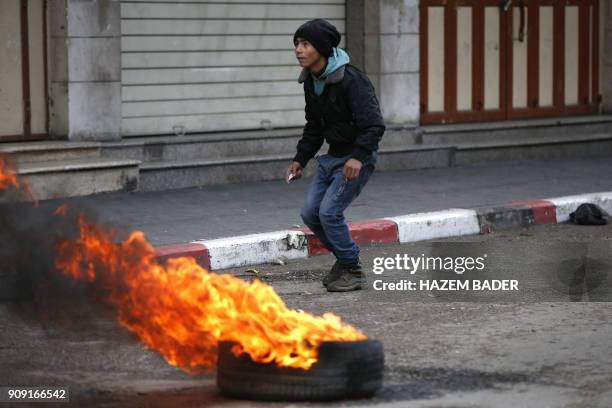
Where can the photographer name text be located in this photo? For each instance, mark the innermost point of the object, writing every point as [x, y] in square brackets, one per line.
[447, 285]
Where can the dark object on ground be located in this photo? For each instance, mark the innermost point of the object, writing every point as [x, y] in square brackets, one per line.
[351, 278]
[343, 370]
[333, 274]
[589, 214]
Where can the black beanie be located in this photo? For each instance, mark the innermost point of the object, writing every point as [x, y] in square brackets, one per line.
[321, 34]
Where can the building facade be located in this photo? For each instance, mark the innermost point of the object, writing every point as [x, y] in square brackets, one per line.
[103, 70]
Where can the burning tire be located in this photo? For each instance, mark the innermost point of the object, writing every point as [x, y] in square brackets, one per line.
[342, 370]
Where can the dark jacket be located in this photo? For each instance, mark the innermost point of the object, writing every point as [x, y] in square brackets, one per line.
[346, 115]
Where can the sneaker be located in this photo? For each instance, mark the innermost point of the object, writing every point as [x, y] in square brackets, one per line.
[333, 274]
[352, 278]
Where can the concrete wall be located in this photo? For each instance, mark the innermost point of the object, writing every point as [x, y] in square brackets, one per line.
[607, 57]
[363, 38]
[383, 41]
[85, 69]
[399, 62]
[355, 16]
[11, 92]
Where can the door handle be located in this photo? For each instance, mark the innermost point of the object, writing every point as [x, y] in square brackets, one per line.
[521, 34]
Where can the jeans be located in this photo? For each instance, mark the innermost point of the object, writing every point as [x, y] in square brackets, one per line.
[327, 198]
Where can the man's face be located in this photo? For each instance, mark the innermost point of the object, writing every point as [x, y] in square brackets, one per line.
[306, 54]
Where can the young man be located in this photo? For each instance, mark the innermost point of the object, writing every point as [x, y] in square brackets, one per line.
[342, 109]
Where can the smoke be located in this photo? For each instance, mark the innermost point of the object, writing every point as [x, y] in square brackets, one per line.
[29, 237]
[26, 252]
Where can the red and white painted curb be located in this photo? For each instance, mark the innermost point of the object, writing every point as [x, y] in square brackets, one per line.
[436, 224]
[215, 254]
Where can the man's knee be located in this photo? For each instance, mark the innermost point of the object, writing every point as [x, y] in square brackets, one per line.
[330, 215]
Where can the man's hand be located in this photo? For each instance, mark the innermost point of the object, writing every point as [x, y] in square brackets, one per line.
[294, 168]
[351, 169]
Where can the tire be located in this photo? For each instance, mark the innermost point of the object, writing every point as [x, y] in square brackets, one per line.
[342, 370]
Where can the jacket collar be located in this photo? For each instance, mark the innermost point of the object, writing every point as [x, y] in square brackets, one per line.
[332, 78]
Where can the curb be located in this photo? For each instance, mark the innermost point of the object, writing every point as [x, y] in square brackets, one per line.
[300, 243]
[363, 233]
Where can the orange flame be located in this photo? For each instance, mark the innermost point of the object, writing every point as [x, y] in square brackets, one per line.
[61, 210]
[182, 311]
[8, 178]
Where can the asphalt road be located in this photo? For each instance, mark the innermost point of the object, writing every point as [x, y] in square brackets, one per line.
[547, 344]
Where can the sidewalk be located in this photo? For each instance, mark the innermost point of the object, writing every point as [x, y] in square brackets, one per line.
[177, 216]
[182, 216]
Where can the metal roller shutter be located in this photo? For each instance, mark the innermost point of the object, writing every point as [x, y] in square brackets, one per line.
[213, 66]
